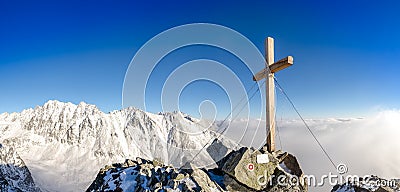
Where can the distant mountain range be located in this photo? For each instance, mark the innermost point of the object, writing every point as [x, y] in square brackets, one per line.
[64, 145]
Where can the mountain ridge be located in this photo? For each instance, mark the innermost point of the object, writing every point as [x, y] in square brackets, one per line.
[81, 137]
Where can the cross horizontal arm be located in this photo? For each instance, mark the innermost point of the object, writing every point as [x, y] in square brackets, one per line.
[260, 75]
[281, 64]
[277, 66]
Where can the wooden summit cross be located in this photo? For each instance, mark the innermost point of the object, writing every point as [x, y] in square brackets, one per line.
[270, 87]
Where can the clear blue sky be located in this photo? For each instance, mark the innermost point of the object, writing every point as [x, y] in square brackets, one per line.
[345, 52]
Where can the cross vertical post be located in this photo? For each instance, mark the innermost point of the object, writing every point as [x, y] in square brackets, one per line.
[268, 74]
[270, 95]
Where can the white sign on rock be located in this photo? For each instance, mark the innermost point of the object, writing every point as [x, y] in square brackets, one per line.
[262, 158]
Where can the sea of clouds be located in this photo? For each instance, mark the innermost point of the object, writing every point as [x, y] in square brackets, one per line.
[368, 145]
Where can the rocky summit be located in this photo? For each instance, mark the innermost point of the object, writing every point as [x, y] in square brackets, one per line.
[240, 170]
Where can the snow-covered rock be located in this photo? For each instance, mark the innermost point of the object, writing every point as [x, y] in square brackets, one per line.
[145, 175]
[14, 175]
[369, 184]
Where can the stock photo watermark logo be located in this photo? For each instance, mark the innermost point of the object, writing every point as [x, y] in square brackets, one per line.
[136, 83]
[331, 179]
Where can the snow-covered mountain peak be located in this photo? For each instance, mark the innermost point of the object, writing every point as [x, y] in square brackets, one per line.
[69, 138]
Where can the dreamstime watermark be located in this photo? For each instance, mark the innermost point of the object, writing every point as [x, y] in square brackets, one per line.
[330, 179]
